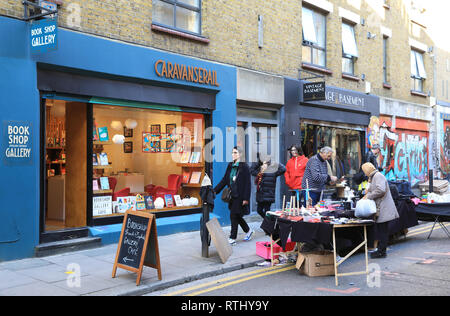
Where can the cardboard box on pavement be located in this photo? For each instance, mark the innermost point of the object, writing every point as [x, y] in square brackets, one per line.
[313, 264]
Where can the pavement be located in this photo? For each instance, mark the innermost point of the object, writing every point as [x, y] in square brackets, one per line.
[89, 272]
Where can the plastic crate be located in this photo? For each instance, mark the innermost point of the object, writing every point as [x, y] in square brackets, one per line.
[263, 249]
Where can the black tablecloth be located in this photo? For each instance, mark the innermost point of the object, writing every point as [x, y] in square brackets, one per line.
[313, 233]
[408, 217]
[429, 211]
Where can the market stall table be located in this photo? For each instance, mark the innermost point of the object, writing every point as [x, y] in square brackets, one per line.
[315, 232]
[434, 212]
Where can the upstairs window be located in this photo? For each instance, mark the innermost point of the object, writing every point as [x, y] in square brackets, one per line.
[314, 37]
[349, 49]
[183, 15]
[418, 74]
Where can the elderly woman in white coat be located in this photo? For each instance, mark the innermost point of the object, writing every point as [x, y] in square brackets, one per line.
[386, 210]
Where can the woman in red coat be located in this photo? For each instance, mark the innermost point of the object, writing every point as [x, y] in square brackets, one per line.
[295, 168]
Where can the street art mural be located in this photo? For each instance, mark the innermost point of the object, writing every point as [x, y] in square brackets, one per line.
[445, 149]
[403, 153]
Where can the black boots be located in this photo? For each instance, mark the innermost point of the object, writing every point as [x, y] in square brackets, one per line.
[380, 253]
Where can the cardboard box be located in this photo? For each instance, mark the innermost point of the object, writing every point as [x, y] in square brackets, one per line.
[315, 264]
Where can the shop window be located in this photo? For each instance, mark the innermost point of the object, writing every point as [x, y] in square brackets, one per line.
[349, 49]
[314, 37]
[418, 74]
[145, 159]
[346, 145]
[184, 15]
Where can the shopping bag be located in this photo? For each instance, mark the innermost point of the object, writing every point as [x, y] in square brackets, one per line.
[365, 208]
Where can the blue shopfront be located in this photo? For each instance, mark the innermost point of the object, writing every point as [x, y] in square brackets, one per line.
[99, 126]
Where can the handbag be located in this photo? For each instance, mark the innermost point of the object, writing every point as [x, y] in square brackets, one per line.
[226, 195]
[365, 208]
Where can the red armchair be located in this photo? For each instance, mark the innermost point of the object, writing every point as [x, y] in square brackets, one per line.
[174, 184]
[121, 193]
[112, 183]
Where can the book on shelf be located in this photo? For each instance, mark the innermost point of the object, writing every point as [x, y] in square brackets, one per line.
[185, 157]
[103, 134]
[178, 201]
[195, 177]
[132, 200]
[95, 185]
[186, 176]
[94, 160]
[103, 159]
[104, 183]
[149, 202]
[140, 202]
[169, 200]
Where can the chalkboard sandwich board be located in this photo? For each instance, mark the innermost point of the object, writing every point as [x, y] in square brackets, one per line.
[138, 244]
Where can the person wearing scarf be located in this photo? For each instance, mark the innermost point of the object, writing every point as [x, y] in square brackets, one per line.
[379, 192]
[237, 177]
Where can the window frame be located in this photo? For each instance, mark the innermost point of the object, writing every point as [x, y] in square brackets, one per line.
[314, 46]
[347, 56]
[417, 78]
[385, 59]
[175, 4]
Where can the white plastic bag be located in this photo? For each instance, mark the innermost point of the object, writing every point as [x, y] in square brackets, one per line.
[365, 208]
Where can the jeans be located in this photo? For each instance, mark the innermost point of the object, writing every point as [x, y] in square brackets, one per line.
[315, 197]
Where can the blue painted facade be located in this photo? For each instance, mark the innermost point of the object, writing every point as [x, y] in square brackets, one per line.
[20, 101]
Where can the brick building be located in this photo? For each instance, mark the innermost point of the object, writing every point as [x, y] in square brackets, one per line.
[238, 66]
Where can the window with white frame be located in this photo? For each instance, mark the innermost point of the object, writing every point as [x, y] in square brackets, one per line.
[183, 15]
[314, 37]
[385, 59]
[349, 49]
[418, 74]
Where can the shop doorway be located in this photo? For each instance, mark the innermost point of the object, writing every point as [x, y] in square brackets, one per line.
[64, 161]
[258, 134]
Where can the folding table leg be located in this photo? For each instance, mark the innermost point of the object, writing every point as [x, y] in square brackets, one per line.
[445, 229]
[437, 218]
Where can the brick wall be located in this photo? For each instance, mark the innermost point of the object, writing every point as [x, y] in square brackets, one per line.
[231, 26]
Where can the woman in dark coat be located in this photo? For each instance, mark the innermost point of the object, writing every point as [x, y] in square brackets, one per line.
[266, 173]
[237, 177]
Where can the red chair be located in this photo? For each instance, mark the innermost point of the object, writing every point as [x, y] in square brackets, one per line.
[150, 189]
[174, 184]
[112, 183]
[121, 193]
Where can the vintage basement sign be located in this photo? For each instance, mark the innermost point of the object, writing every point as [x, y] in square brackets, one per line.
[44, 36]
[314, 91]
[17, 142]
[170, 70]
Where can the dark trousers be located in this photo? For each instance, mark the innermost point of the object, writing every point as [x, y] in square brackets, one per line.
[236, 220]
[380, 232]
[262, 208]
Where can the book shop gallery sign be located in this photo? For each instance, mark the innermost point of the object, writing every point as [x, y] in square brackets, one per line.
[166, 69]
[17, 142]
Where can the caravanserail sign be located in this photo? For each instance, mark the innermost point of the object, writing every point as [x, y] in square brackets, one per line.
[193, 74]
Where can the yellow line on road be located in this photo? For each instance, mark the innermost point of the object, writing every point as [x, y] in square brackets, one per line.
[222, 280]
[426, 230]
[241, 280]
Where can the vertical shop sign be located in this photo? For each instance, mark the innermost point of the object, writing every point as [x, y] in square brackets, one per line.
[17, 143]
[44, 36]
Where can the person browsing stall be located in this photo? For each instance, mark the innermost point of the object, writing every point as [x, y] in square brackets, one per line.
[237, 178]
[295, 168]
[386, 210]
[265, 173]
[316, 176]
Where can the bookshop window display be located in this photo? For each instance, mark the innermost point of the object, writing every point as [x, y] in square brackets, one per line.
[145, 160]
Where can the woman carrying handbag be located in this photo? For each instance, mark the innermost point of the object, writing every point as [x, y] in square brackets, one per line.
[237, 181]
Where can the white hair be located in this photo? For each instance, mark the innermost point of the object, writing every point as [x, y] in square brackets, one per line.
[326, 150]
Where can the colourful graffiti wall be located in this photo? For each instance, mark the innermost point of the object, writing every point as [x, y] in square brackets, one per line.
[444, 148]
[404, 151]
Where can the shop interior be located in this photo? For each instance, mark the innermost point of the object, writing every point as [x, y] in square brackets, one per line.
[142, 159]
